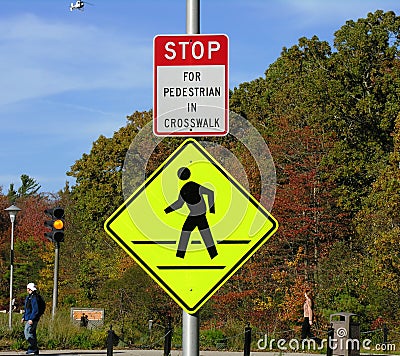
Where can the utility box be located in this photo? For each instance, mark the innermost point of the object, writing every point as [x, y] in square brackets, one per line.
[345, 338]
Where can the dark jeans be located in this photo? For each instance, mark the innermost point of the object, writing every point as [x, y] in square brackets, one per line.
[306, 329]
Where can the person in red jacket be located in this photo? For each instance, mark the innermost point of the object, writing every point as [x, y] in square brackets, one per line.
[31, 318]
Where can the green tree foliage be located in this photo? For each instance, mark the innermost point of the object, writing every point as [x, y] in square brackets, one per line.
[97, 193]
[98, 175]
[28, 187]
[364, 101]
[378, 224]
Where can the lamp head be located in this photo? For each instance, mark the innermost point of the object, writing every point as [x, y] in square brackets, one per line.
[12, 211]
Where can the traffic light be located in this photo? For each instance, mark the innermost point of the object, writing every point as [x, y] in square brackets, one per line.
[56, 224]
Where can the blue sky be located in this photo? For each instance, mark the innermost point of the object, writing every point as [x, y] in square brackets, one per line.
[69, 77]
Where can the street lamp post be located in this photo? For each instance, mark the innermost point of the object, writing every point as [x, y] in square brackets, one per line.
[12, 211]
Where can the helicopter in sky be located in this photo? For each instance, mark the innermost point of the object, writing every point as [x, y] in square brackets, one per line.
[79, 4]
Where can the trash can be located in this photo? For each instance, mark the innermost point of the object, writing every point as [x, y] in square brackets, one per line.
[345, 339]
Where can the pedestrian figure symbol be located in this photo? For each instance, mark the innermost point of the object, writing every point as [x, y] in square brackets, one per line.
[192, 194]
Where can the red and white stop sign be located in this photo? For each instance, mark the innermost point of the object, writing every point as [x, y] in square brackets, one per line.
[191, 89]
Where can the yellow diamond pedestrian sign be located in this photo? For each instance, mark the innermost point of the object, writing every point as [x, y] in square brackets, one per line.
[191, 225]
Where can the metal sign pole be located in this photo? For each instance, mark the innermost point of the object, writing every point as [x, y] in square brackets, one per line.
[190, 334]
[190, 322]
[55, 280]
[192, 17]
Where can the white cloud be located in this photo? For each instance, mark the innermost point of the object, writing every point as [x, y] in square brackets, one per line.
[41, 58]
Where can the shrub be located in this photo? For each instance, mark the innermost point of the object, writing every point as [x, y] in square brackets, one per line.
[212, 339]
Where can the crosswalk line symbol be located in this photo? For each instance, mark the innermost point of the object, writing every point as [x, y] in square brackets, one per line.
[191, 225]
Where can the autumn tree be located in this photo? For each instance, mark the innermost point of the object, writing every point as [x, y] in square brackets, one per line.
[31, 249]
[290, 102]
[327, 116]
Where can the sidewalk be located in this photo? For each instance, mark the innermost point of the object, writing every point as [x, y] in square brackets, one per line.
[141, 353]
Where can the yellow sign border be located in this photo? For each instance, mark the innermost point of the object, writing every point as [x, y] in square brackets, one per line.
[178, 299]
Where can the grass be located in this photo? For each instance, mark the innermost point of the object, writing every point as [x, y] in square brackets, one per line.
[60, 333]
